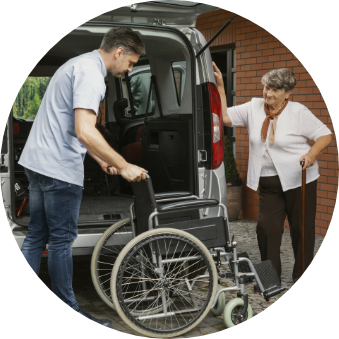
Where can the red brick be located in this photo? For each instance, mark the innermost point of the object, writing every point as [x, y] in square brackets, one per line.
[332, 150]
[256, 41]
[321, 209]
[327, 172]
[252, 35]
[251, 48]
[280, 64]
[262, 46]
[263, 33]
[321, 223]
[267, 52]
[327, 187]
[280, 50]
[323, 164]
[245, 68]
[305, 76]
[255, 54]
[274, 44]
[322, 179]
[274, 58]
[332, 195]
[330, 210]
[327, 157]
[326, 217]
[292, 63]
[323, 231]
[333, 165]
[256, 66]
[327, 202]
[322, 194]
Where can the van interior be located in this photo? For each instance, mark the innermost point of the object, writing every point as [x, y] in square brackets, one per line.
[160, 141]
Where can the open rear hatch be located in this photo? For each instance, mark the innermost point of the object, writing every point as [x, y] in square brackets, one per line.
[170, 13]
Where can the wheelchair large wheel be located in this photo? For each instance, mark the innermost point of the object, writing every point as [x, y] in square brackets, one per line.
[105, 254]
[233, 310]
[154, 275]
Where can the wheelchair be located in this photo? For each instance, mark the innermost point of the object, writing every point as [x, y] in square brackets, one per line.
[160, 269]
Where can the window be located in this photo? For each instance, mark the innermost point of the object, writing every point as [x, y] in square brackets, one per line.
[179, 74]
[29, 98]
[225, 60]
[139, 80]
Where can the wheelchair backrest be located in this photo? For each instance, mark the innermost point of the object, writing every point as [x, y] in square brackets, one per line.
[144, 203]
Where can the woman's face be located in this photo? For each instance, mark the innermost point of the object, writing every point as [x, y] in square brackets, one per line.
[275, 97]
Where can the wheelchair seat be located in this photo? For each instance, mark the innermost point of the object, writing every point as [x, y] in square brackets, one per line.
[211, 231]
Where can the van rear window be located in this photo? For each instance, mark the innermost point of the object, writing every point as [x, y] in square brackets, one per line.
[179, 74]
[29, 98]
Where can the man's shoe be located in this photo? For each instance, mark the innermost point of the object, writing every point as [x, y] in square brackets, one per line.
[104, 322]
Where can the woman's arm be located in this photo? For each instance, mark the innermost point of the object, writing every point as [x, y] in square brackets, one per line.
[220, 85]
[318, 148]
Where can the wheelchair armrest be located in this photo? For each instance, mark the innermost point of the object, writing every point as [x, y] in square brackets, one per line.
[171, 195]
[187, 205]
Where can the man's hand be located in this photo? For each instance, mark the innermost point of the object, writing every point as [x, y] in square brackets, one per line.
[133, 173]
[112, 169]
[309, 160]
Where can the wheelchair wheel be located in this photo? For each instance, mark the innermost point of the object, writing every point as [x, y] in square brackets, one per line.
[232, 312]
[105, 254]
[154, 275]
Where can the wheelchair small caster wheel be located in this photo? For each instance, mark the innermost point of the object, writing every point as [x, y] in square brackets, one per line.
[232, 312]
[220, 305]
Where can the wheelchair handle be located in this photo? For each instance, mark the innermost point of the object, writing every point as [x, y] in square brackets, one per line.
[109, 167]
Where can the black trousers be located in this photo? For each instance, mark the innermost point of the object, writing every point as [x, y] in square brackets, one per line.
[274, 205]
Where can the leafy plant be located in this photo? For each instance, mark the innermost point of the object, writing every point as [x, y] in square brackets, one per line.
[231, 171]
[29, 98]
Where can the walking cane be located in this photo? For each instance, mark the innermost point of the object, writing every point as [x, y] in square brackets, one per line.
[303, 198]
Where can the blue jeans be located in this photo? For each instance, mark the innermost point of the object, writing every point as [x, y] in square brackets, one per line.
[54, 208]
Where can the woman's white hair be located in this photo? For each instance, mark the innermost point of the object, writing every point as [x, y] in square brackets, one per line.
[281, 78]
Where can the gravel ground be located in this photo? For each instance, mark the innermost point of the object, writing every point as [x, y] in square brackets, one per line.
[244, 232]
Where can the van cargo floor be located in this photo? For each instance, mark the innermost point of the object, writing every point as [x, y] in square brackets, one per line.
[104, 208]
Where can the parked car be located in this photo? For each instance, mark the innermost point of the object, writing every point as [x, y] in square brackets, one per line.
[179, 141]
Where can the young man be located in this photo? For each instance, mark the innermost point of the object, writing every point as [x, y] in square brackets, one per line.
[63, 131]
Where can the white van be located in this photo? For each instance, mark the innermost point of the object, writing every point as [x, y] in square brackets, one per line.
[182, 145]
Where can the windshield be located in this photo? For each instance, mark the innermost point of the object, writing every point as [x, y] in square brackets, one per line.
[29, 98]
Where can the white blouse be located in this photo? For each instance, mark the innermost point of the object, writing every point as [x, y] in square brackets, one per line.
[295, 125]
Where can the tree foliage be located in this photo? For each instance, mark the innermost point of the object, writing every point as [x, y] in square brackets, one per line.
[231, 171]
[29, 98]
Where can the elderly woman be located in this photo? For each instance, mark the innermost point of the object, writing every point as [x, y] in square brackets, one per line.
[278, 133]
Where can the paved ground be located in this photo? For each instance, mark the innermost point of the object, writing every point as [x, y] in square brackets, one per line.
[244, 232]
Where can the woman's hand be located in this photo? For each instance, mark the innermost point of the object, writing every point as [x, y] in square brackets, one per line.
[218, 78]
[309, 160]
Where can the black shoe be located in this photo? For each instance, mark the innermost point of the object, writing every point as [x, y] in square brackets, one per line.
[104, 322]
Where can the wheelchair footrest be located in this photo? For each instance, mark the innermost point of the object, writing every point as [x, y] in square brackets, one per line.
[269, 279]
[272, 291]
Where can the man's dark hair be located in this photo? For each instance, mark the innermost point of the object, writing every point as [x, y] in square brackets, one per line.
[125, 38]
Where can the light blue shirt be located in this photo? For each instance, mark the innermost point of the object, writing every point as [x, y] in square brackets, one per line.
[52, 148]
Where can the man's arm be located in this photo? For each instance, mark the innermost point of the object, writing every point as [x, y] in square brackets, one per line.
[91, 138]
[104, 164]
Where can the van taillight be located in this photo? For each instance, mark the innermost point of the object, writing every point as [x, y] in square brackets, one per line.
[217, 126]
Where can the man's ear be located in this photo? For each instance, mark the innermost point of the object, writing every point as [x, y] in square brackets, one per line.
[119, 52]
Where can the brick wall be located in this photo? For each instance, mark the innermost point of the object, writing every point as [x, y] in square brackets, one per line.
[257, 52]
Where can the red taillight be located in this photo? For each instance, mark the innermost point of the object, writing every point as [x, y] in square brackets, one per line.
[217, 126]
